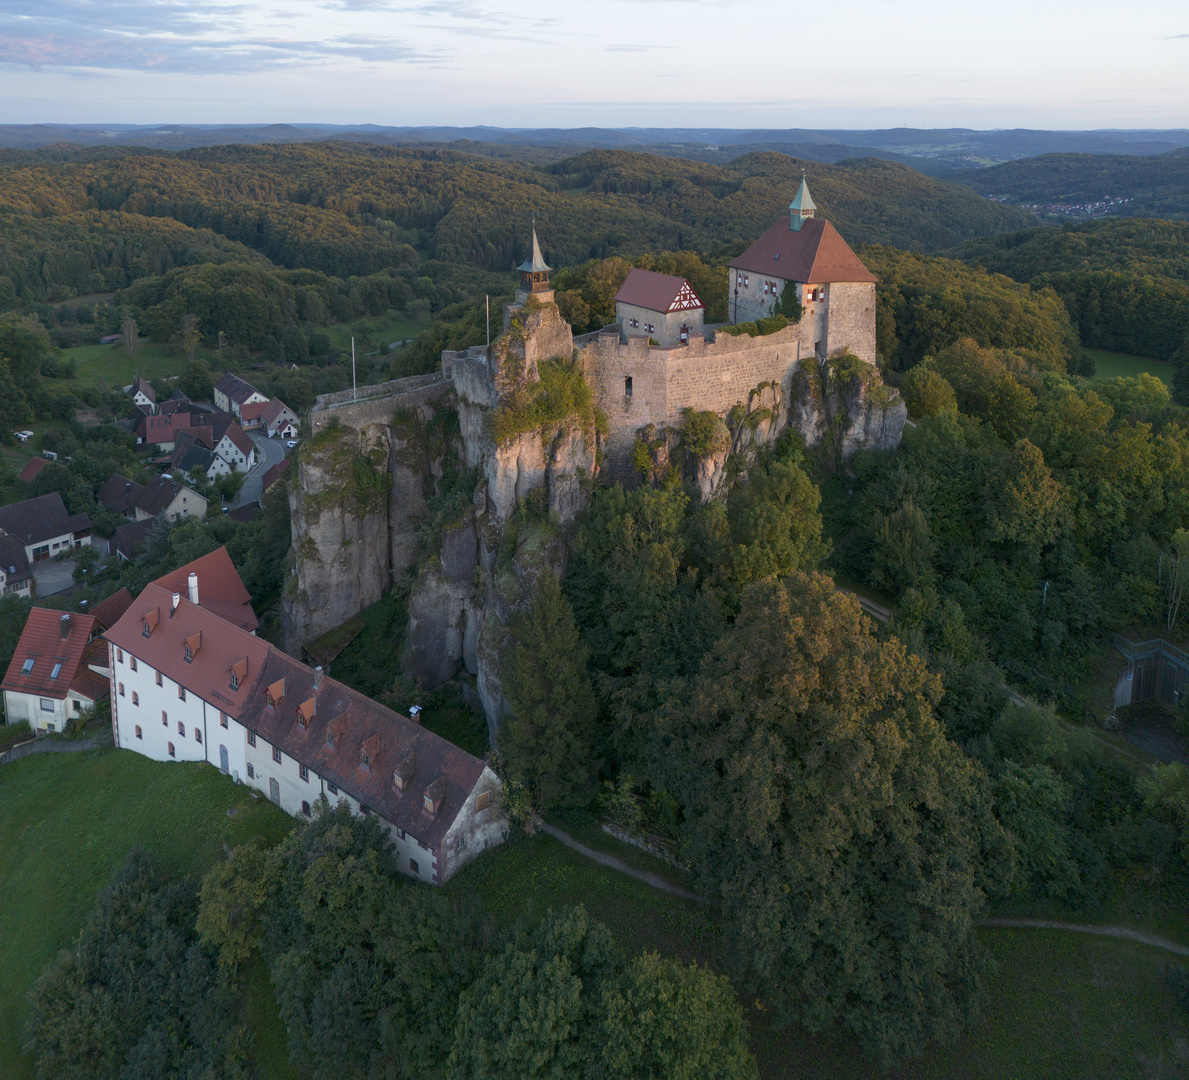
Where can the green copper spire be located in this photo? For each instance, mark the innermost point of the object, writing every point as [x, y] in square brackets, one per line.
[802, 207]
[535, 263]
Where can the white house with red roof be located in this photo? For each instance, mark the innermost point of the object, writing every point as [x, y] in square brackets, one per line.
[58, 671]
[191, 682]
[661, 307]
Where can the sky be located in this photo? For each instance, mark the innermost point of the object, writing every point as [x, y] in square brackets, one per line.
[614, 63]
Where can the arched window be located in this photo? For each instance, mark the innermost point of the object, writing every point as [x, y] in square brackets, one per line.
[171, 753]
[121, 689]
[198, 734]
[181, 729]
[135, 698]
[164, 718]
[138, 735]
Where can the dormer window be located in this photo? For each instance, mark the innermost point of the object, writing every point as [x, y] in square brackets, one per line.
[402, 775]
[334, 731]
[305, 713]
[275, 693]
[193, 644]
[149, 620]
[239, 672]
[434, 796]
[369, 751]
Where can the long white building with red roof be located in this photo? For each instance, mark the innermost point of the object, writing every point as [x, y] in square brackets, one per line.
[190, 681]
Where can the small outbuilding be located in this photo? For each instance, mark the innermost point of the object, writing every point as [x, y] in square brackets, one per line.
[661, 307]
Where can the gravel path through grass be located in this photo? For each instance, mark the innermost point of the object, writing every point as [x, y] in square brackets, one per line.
[1101, 931]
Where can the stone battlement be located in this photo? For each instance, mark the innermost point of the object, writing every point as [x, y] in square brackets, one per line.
[375, 404]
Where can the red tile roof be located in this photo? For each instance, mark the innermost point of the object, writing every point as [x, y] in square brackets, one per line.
[220, 589]
[108, 612]
[658, 292]
[252, 410]
[390, 740]
[208, 674]
[432, 764]
[240, 439]
[274, 408]
[273, 474]
[42, 642]
[815, 254]
[165, 428]
[32, 469]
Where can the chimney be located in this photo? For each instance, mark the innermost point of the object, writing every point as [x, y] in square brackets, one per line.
[193, 587]
[415, 714]
[64, 625]
[317, 676]
[177, 599]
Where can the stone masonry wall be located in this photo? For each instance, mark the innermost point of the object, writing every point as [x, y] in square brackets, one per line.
[851, 318]
[377, 403]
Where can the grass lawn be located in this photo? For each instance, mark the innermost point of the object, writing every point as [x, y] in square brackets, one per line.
[387, 328]
[1111, 365]
[68, 820]
[112, 364]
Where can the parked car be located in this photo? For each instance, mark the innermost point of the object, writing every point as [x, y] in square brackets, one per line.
[24, 436]
[291, 443]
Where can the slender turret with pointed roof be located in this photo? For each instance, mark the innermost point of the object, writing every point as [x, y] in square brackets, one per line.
[534, 274]
[802, 207]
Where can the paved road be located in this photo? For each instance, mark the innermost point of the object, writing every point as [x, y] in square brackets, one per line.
[270, 452]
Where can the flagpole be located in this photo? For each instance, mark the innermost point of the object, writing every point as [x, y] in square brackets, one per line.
[354, 388]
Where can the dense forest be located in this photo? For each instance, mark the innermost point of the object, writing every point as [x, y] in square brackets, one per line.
[1155, 186]
[1124, 283]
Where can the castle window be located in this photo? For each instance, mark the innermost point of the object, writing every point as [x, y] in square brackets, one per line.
[482, 801]
[305, 808]
[158, 678]
[222, 719]
[181, 693]
[413, 867]
[138, 733]
[181, 729]
[120, 655]
[627, 387]
[135, 698]
[251, 771]
[251, 738]
[132, 662]
[304, 773]
[276, 754]
[121, 689]
[164, 718]
[172, 753]
[198, 735]
[332, 788]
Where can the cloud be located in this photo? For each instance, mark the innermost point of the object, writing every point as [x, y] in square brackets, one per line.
[636, 48]
[1176, 37]
[168, 36]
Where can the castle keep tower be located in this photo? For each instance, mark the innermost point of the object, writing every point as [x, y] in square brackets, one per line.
[806, 253]
[534, 275]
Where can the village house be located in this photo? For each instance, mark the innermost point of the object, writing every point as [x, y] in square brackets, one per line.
[160, 432]
[29, 473]
[44, 528]
[143, 396]
[232, 394]
[129, 540]
[16, 579]
[119, 495]
[278, 420]
[164, 496]
[188, 684]
[59, 669]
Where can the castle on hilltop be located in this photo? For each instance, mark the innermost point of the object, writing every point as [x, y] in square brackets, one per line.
[659, 358]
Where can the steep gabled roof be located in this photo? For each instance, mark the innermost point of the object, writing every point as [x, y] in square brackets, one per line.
[219, 588]
[13, 560]
[239, 439]
[131, 538]
[252, 410]
[658, 292]
[119, 494]
[390, 739]
[43, 518]
[275, 408]
[42, 642]
[142, 387]
[815, 254]
[109, 612]
[272, 474]
[208, 673]
[158, 494]
[235, 388]
[32, 469]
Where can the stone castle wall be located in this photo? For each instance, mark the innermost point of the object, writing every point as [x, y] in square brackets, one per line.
[377, 403]
[850, 318]
[712, 373]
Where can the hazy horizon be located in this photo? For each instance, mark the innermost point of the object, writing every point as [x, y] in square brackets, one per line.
[852, 65]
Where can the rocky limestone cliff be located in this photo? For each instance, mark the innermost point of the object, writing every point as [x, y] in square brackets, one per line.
[464, 500]
[845, 400]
